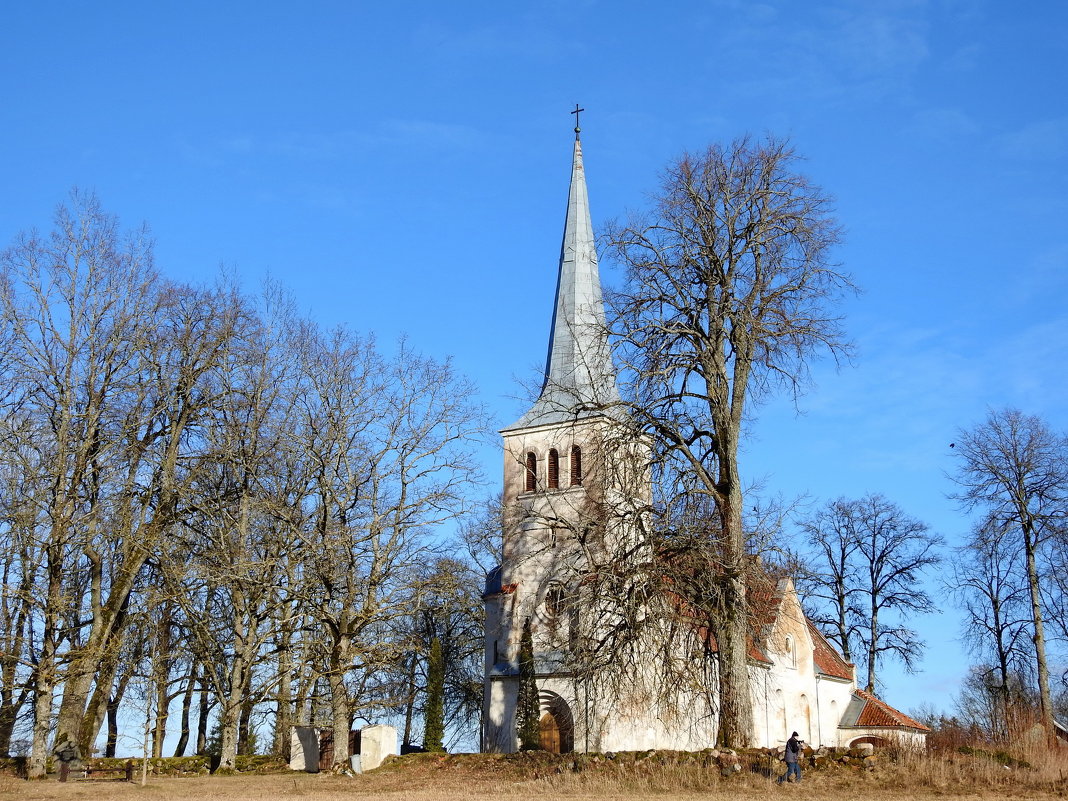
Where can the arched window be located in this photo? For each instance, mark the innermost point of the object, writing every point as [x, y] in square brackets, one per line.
[806, 718]
[532, 472]
[576, 466]
[554, 469]
[555, 600]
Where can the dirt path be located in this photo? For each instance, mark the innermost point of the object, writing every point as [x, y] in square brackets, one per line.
[461, 786]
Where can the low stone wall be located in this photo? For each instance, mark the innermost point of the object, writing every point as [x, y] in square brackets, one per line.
[197, 765]
[726, 762]
[526, 765]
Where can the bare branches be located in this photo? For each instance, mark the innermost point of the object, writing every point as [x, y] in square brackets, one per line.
[1014, 469]
[870, 559]
[278, 484]
[731, 290]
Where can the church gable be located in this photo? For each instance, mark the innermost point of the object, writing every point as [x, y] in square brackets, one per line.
[787, 638]
[781, 629]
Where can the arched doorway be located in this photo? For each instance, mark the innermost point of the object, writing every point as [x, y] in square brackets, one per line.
[871, 739]
[549, 734]
[556, 728]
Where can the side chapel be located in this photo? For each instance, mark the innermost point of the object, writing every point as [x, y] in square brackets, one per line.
[555, 479]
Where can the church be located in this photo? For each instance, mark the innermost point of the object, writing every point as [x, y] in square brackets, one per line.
[558, 484]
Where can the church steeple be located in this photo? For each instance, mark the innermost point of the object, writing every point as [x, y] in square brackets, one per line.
[580, 379]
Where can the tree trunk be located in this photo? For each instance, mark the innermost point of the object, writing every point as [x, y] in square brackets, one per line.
[409, 707]
[1003, 700]
[42, 715]
[736, 707]
[113, 727]
[736, 710]
[187, 704]
[243, 743]
[45, 671]
[1039, 638]
[112, 711]
[342, 715]
[202, 718]
[8, 713]
[874, 641]
[284, 706]
[230, 713]
[228, 722]
[843, 620]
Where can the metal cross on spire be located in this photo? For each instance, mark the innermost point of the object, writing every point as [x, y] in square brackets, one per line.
[578, 130]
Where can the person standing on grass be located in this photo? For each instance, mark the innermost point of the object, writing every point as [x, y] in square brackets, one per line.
[793, 759]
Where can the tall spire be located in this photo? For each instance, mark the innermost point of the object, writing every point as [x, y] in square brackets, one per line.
[580, 379]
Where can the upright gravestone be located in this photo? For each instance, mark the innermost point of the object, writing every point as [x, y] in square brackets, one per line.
[376, 743]
[304, 749]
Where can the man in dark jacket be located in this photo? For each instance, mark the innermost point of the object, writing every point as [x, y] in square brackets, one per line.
[793, 759]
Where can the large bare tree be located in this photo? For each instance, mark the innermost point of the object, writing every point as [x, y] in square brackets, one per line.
[233, 568]
[389, 443]
[987, 581]
[108, 362]
[731, 289]
[865, 581]
[1014, 469]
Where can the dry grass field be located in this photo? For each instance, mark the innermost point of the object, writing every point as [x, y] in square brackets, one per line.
[477, 777]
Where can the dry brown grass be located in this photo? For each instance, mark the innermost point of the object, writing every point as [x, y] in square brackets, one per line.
[479, 778]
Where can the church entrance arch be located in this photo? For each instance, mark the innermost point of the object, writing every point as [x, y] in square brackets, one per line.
[872, 739]
[556, 729]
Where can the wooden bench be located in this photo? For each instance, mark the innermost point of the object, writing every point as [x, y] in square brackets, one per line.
[93, 772]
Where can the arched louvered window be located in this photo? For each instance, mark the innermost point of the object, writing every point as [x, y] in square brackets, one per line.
[555, 600]
[532, 472]
[576, 465]
[554, 469]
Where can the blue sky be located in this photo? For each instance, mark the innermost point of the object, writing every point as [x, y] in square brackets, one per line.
[403, 168]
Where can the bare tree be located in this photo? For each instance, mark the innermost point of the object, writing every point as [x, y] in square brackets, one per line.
[830, 584]
[447, 608]
[1014, 469]
[110, 365]
[871, 559]
[156, 458]
[208, 485]
[730, 292]
[993, 707]
[987, 580]
[21, 565]
[390, 448]
[74, 330]
[233, 564]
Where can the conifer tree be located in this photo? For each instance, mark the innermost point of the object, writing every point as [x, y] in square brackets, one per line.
[434, 722]
[526, 713]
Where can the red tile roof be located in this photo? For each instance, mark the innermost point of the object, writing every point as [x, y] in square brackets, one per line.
[826, 658]
[879, 713]
[754, 653]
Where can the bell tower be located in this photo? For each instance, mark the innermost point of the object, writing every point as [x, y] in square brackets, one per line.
[556, 481]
